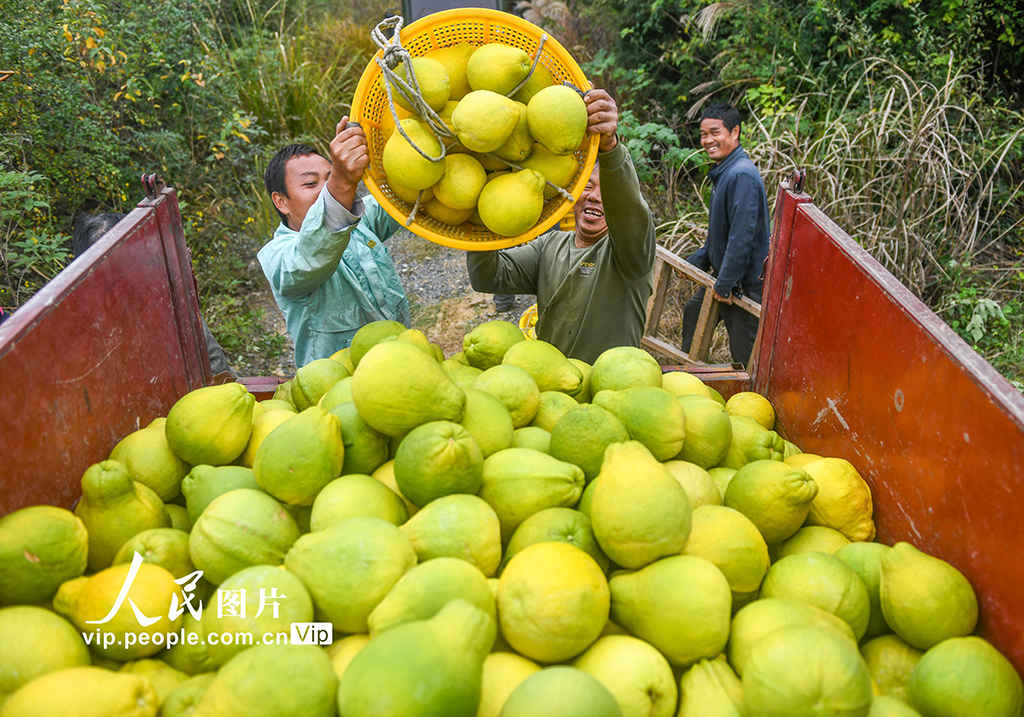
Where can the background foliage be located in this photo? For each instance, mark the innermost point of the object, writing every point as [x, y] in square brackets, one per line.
[906, 113]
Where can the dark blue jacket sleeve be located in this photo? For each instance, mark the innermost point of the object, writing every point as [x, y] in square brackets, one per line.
[745, 197]
[700, 258]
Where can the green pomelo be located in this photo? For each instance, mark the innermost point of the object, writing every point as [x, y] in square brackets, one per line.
[428, 588]
[205, 483]
[775, 496]
[41, 547]
[150, 461]
[497, 67]
[84, 692]
[558, 119]
[512, 203]
[407, 167]
[425, 668]
[561, 691]
[35, 642]
[366, 449]
[432, 79]
[354, 496]
[437, 459]
[804, 672]
[397, 387]
[651, 415]
[532, 437]
[339, 393]
[639, 511]
[265, 600]
[300, 457]
[557, 169]
[536, 82]
[161, 676]
[343, 651]
[457, 526]
[487, 421]
[179, 517]
[373, 333]
[519, 144]
[436, 209]
[866, 561]
[889, 707]
[557, 525]
[681, 605]
[813, 538]
[273, 681]
[680, 383]
[503, 673]
[708, 431]
[638, 676]
[276, 404]
[114, 508]
[461, 375]
[698, 484]
[552, 407]
[581, 436]
[727, 539]
[486, 345]
[240, 529]
[183, 699]
[455, 59]
[283, 392]
[548, 366]
[211, 425]
[350, 567]
[192, 659]
[165, 547]
[925, 600]
[891, 661]
[519, 482]
[624, 367]
[261, 428]
[386, 475]
[824, 581]
[461, 183]
[722, 476]
[515, 388]
[751, 442]
[711, 689]
[315, 379]
[483, 121]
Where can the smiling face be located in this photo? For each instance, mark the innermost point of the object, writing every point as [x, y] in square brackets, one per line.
[589, 212]
[304, 177]
[716, 140]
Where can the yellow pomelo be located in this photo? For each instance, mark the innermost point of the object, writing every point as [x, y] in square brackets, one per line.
[343, 651]
[386, 475]
[373, 333]
[314, 379]
[791, 450]
[277, 404]
[356, 495]
[35, 642]
[553, 406]
[179, 517]
[409, 196]
[554, 525]
[418, 339]
[518, 482]
[728, 540]
[211, 425]
[343, 358]
[722, 476]
[680, 383]
[41, 547]
[637, 675]
[515, 388]
[639, 511]
[435, 209]
[751, 442]
[161, 676]
[624, 367]
[581, 436]
[455, 59]
[461, 375]
[925, 600]
[698, 484]
[889, 707]
[93, 598]
[150, 461]
[806, 671]
[487, 421]
[426, 589]
[890, 661]
[301, 456]
[553, 601]
[257, 411]
[432, 78]
[503, 672]
[775, 496]
[483, 121]
[557, 169]
[843, 501]
[273, 681]
[84, 692]
[192, 659]
[680, 604]
[261, 428]
[239, 529]
[562, 691]
[184, 698]
[494, 166]
[387, 121]
[271, 598]
[437, 459]
[485, 346]
[651, 415]
[165, 547]
[558, 119]
[512, 203]
[406, 166]
[519, 144]
[206, 483]
[461, 183]
[457, 526]
[497, 67]
[710, 687]
[812, 538]
[586, 369]
[866, 561]
[114, 508]
[532, 437]
[397, 387]
[708, 431]
[366, 449]
[350, 567]
[537, 81]
[802, 459]
[824, 581]
[548, 366]
[753, 405]
[283, 392]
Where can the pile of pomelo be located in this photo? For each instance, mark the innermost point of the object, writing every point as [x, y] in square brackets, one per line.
[512, 130]
[503, 532]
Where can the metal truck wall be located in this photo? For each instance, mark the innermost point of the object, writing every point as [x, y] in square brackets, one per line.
[99, 352]
[859, 369]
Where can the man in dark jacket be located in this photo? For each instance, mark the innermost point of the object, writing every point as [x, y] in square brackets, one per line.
[737, 242]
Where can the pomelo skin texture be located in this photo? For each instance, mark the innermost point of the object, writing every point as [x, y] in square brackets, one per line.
[965, 676]
[561, 691]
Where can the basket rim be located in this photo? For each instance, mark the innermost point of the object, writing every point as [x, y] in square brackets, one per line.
[371, 177]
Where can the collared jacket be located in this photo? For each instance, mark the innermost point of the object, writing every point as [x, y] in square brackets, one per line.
[329, 284]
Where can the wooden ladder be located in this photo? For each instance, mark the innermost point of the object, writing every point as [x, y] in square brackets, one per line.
[665, 263]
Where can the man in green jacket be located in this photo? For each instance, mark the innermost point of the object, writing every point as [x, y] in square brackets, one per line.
[327, 264]
[592, 284]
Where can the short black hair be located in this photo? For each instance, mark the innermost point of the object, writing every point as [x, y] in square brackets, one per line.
[729, 115]
[273, 178]
[88, 229]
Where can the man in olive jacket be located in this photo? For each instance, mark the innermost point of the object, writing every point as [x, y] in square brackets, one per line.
[592, 284]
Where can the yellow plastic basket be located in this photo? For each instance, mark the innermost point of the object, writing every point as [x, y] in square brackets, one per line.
[477, 26]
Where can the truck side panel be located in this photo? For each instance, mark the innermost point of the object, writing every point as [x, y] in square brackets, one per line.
[858, 368]
[99, 352]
